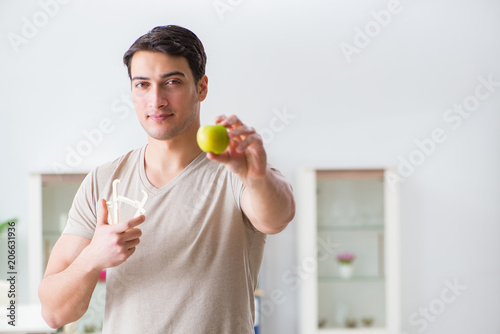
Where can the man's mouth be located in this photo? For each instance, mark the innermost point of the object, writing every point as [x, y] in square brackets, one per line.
[160, 116]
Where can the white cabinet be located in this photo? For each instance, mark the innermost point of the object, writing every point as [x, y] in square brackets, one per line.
[51, 196]
[354, 212]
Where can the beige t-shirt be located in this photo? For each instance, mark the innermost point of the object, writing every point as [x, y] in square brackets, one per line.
[196, 268]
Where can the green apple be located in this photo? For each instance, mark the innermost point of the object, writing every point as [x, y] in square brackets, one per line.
[212, 138]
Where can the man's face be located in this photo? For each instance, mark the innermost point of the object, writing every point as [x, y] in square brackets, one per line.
[166, 98]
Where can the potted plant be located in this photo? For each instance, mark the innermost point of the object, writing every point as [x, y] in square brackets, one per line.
[345, 264]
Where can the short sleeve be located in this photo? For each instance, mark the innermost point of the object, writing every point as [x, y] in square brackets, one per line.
[82, 216]
[238, 186]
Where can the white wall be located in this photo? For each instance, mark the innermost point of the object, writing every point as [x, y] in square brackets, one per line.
[269, 56]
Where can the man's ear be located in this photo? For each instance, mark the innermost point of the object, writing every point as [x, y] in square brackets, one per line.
[202, 87]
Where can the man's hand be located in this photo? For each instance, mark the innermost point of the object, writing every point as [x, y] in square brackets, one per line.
[245, 155]
[114, 244]
[267, 199]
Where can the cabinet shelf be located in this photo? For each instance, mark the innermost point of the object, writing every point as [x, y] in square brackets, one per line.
[338, 279]
[51, 233]
[378, 227]
[343, 330]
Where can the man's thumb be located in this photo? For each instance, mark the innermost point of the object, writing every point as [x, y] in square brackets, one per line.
[103, 212]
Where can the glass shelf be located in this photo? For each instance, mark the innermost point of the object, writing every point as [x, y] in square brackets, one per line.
[338, 279]
[51, 233]
[357, 227]
[358, 330]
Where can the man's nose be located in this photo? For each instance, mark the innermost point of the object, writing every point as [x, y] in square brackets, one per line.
[158, 100]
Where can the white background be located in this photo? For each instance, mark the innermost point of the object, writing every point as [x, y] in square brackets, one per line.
[269, 56]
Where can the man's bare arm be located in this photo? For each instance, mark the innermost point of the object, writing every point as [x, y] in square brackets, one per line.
[267, 199]
[268, 202]
[68, 282]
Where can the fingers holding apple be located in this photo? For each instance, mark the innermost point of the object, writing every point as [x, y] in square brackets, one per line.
[239, 132]
[245, 154]
[216, 138]
[251, 138]
[229, 122]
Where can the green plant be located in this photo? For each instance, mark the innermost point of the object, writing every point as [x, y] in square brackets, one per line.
[5, 224]
[350, 322]
[367, 321]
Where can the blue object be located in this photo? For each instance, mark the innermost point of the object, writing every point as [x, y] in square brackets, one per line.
[257, 315]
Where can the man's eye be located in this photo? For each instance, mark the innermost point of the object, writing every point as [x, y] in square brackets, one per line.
[173, 82]
[141, 85]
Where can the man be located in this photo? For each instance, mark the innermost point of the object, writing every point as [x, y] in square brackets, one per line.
[190, 264]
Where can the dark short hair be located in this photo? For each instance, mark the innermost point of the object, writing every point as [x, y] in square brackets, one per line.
[172, 40]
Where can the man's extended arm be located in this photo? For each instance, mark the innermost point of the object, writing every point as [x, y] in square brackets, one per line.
[267, 199]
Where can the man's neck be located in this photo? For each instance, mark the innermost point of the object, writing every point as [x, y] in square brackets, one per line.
[165, 159]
